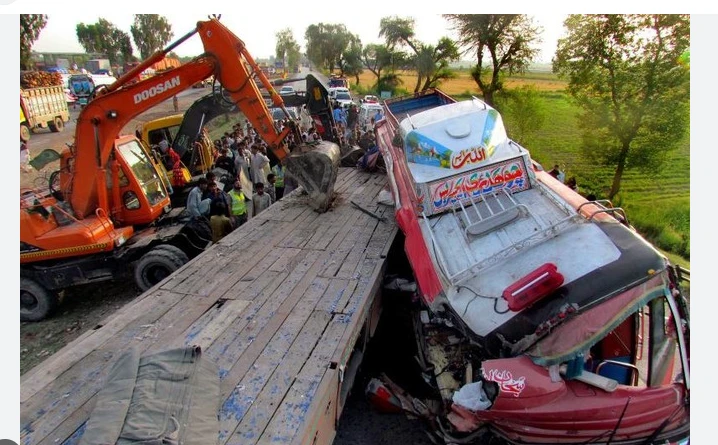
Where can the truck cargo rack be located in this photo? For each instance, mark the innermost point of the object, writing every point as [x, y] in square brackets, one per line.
[494, 221]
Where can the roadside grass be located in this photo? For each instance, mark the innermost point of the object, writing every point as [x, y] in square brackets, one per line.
[217, 127]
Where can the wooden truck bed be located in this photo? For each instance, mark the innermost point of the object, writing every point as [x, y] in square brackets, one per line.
[278, 304]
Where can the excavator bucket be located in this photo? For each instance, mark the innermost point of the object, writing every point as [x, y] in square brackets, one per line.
[316, 166]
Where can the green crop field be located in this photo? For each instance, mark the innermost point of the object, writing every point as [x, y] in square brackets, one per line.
[656, 203]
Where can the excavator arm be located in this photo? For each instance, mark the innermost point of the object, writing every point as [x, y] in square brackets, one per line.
[227, 59]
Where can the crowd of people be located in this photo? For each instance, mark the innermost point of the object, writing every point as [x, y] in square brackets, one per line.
[241, 153]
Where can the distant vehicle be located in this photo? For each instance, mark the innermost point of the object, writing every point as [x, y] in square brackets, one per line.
[103, 72]
[338, 82]
[369, 99]
[367, 111]
[287, 89]
[103, 79]
[344, 99]
[42, 107]
[96, 65]
[82, 86]
[56, 69]
[333, 91]
[278, 113]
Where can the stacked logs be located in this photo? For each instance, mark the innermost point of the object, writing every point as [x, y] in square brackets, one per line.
[37, 79]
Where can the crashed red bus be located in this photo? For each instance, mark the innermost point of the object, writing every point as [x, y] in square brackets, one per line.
[545, 318]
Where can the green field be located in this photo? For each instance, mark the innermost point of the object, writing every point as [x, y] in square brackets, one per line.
[657, 204]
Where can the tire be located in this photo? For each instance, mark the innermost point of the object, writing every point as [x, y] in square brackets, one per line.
[199, 228]
[179, 253]
[57, 125]
[158, 264]
[24, 133]
[36, 302]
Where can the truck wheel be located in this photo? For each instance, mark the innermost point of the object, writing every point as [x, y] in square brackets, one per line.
[24, 133]
[200, 229]
[158, 264]
[57, 125]
[36, 302]
[179, 253]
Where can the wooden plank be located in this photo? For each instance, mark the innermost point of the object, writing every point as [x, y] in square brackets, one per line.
[355, 257]
[254, 401]
[337, 295]
[241, 334]
[55, 407]
[286, 261]
[255, 253]
[309, 295]
[293, 417]
[266, 402]
[321, 427]
[64, 359]
[229, 311]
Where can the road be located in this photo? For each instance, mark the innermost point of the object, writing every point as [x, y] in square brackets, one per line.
[82, 308]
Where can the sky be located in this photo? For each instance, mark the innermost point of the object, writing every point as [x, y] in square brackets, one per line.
[258, 34]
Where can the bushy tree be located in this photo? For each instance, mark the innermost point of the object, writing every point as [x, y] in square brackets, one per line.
[376, 58]
[287, 49]
[526, 111]
[326, 44]
[627, 74]
[105, 38]
[350, 63]
[501, 43]
[30, 27]
[150, 32]
[430, 62]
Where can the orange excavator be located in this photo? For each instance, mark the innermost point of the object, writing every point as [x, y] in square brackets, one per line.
[111, 213]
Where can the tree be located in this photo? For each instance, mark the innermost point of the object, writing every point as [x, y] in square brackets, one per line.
[105, 38]
[150, 32]
[626, 74]
[326, 43]
[527, 112]
[376, 58]
[350, 62]
[430, 62]
[287, 49]
[433, 62]
[508, 41]
[30, 27]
